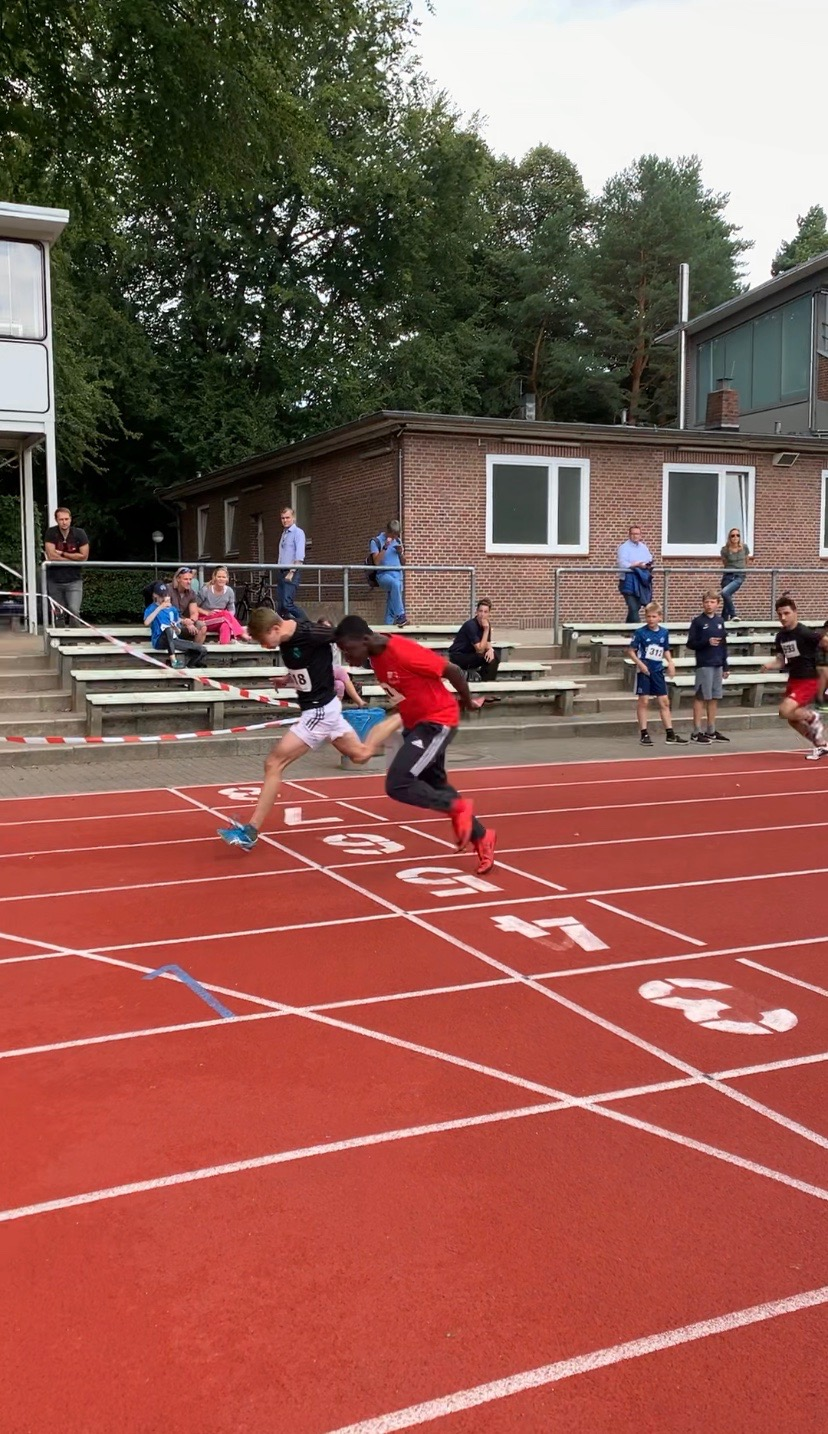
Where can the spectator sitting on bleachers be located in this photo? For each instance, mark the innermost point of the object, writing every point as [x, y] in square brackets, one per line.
[163, 619]
[472, 649]
[216, 605]
[182, 597]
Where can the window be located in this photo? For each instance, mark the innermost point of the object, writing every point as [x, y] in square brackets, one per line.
[22, 291]
[203, 516]
[300, 502]
[700, 505]
[536, 505]
[823, 526]
[768, 361]
[230, 540]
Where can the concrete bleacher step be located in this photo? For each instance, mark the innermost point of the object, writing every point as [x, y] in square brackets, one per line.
[28, 678]
[54, 700]
[43, 724]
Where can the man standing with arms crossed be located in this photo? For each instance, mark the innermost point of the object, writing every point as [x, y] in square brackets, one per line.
[70, 547]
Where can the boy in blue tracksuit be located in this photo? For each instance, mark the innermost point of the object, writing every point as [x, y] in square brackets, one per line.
[708, 639]
[650, 651]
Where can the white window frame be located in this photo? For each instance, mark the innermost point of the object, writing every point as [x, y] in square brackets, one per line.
[202, 523]
[296, 484]
[552, 465]
[231, 519]
[707, 550]
[823, 550]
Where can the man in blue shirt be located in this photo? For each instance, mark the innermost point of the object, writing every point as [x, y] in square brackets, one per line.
[291, 558]
[635, 581]
[650, 651]
[387, 557]
[708, 639]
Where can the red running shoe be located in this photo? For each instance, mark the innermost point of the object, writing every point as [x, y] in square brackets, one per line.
[462, 816]
[485, 849]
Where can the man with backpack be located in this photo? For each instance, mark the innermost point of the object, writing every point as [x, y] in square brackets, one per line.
[386, 556]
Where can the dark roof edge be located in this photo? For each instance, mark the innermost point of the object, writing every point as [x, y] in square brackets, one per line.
[749, 297]
[389, 422]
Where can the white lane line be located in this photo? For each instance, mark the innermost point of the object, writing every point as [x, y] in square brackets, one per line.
[98, 816]
[448, 1404]
[783, 976]
[644, 921]
[39, 956]
[251, 931]
[214, 1025]
[107, 846]
[781, 1065]
[153, 885]
[623, 890]
[375, 816]
[552, 995]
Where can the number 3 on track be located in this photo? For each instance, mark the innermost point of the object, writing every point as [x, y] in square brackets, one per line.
[707, 1010]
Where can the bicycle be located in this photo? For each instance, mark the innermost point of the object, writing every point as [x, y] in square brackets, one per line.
[253, 596]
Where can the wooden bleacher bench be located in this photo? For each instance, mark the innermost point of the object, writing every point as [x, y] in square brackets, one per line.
[738, 665]
[98, 703]
[601, 647]
[751, 686]
[572, 633]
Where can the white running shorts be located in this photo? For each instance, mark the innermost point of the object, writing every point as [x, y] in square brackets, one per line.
[318, 725]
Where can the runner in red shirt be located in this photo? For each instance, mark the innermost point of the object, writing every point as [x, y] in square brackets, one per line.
[413, 678]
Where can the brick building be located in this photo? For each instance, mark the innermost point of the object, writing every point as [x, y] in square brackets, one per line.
[520, 500]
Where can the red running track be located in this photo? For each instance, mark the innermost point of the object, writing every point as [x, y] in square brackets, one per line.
[544, 1152]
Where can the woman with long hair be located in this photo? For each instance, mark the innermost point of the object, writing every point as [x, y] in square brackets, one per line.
[735, 558]
[217, 606]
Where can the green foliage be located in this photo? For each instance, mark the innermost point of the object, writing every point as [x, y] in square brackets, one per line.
[277, 225]
[651, 218]
[115, 596]
[811, 239]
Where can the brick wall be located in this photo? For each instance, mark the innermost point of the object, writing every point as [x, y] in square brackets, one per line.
[354, 492]
[445, 522]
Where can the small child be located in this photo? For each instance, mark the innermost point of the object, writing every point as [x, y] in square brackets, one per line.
[708, 639]
[650, 651]
[164, 622]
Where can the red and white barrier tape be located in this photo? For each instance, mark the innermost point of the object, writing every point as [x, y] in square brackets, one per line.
[241, 693]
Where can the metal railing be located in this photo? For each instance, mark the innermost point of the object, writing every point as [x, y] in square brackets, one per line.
[683, 584]
[334, 584]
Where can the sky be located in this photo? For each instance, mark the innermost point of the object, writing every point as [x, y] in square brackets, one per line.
[738, 82]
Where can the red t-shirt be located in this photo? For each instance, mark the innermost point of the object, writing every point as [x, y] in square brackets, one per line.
[413, 678]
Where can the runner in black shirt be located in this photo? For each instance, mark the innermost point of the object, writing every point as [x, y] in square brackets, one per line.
[305, 648]
[797, 647]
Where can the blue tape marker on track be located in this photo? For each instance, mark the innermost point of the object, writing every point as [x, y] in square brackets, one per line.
[194, 985]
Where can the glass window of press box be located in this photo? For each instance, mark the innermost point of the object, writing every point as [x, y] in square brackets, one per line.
[767, 361]
[22, 290]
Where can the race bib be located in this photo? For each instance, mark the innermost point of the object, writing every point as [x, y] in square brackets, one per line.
[790, 649]
[653, 652]
[299, 678]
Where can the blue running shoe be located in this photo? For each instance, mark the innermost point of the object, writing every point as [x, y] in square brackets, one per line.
[244, 837]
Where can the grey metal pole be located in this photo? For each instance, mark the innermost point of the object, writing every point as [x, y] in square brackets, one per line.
[684, 314]
[473, 591]
[346, 590]
[556, 607]
[774, 575]
[666, 590]
[44, 606]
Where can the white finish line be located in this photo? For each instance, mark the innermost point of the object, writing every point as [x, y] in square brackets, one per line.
[583, 1364]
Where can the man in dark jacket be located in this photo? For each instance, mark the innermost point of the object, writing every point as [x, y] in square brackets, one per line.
[708, 639]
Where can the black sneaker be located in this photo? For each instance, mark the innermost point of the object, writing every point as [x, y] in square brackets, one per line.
[646, 739]
[717, 737]
[674, 737]
[701, 737]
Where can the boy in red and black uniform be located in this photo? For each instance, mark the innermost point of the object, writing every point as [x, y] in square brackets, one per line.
[797, 651]
[413, 676]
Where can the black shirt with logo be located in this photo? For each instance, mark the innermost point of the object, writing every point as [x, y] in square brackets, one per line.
[72, 542]
[308, 656]
[799, 646]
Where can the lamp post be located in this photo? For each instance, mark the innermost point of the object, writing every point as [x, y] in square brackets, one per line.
[156, 539]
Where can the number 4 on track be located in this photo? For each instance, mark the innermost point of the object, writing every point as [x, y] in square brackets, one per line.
[577, 933]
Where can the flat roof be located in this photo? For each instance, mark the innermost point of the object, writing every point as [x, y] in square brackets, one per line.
[30, 221]
[388, 424]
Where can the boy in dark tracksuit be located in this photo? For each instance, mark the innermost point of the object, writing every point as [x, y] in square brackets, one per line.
[708, 639]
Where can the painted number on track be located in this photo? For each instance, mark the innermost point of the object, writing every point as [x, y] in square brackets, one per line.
[240, 794]
[363, 843]
[709, 1010]
[576, 933]
[445, 881]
